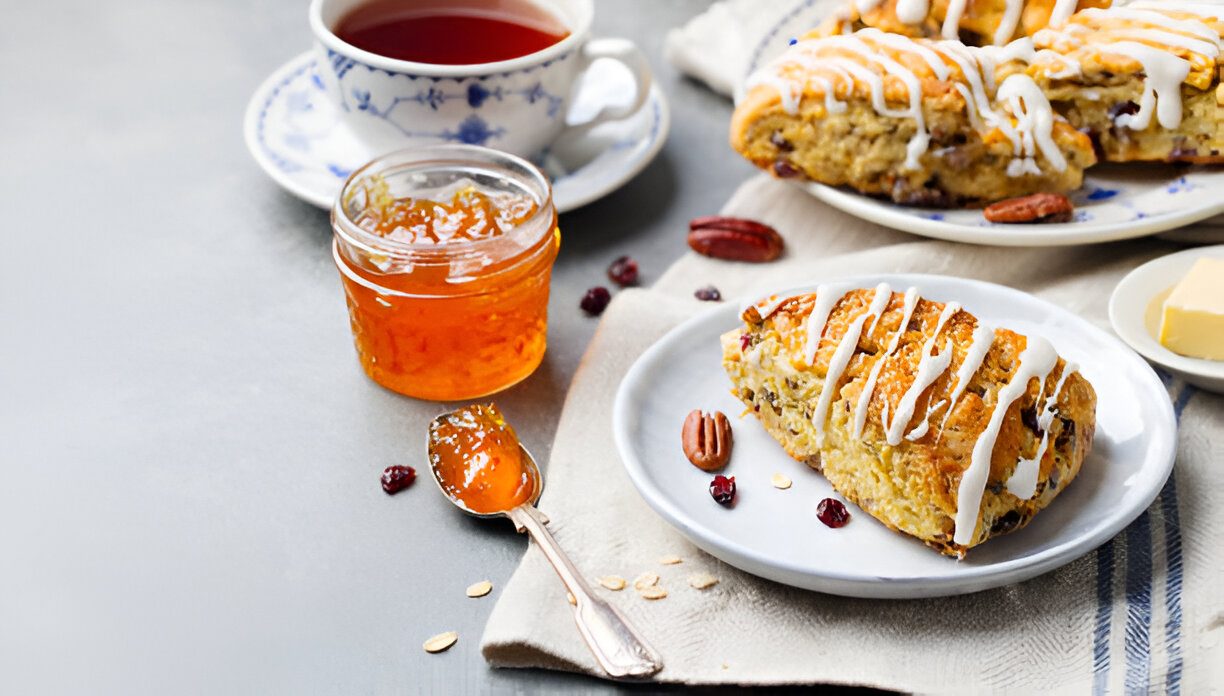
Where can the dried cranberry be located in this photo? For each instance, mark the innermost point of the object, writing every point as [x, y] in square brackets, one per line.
[1095, 138]
[623, 271]
[1122, 108]
[596, 300]
[780, 142]
[1030, 419]
[708, 294]
[832, 512]
[723, 490]
[785, 170]
[745, 341]
[397, 478]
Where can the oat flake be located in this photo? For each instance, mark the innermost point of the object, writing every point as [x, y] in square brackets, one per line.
[441, 642]
[612, 582]
[480, 589]
[646, 579]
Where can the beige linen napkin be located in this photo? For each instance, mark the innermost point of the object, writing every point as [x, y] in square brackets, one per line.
[1141, 613]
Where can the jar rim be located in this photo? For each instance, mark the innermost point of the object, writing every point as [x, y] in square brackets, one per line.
[446, 156]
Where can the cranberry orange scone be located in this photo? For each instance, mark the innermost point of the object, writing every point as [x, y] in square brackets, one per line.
[931, 421]
[974, 22]
[922, 122]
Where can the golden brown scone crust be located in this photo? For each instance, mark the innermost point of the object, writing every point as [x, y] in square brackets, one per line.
[866, 151]
[1104, 86]
[912, 486]
[1109, 84]
[964, 164]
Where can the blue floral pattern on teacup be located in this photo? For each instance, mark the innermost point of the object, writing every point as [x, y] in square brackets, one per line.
[512, 109]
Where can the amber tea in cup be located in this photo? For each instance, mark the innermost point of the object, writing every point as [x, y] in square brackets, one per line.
[450, 33]
[495, 73]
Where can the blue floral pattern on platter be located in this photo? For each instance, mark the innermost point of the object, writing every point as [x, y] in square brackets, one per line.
[296, 134]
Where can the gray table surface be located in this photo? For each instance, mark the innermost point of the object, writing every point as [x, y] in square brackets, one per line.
[189, 451]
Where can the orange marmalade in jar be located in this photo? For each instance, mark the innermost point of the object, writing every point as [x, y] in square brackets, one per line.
[445, 254]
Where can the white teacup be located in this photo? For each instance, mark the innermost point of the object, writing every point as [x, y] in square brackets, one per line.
[518, 105]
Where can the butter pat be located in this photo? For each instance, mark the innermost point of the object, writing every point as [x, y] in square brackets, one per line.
[1192, 321]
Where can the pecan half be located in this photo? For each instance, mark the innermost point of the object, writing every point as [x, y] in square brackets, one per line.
[707, 440]
[734, 239]
[1039, 207]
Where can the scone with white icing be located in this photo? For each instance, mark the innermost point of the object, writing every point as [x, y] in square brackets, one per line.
[1143, 80]
[922, 122]
[931, 421]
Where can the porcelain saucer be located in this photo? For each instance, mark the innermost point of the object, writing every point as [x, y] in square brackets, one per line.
[296, 136]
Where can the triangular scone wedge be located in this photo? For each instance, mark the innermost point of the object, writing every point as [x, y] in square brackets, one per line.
[921, 122]
[932, 422]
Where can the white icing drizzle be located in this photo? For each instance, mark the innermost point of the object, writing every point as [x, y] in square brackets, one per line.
[1209, 48]
[789, 91]
[903, 43]
[1206, 10]
[1063, 9]
[930, 367]
[810, 64]
[912, 11]
[866, 5]
[843, 353]
[766, 307]
[1069, 68]
[921, 138]
[1035, 122]
[1009, 22]
[832, 105]
[951, 25]
[1146, 33]
[983, 339]
[1161, 88]
[826, 298]
[1183, 26]
[860, 409]
[1036, 360]
[837, 365]
[1023, 481]
[924, 425]
[978, 67]
[879, 301]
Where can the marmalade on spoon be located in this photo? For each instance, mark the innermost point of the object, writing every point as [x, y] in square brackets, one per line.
[476, 458]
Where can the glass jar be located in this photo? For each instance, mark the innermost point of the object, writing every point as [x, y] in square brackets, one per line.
[453, 319]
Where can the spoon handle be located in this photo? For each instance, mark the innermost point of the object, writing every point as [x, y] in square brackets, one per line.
[619, 649]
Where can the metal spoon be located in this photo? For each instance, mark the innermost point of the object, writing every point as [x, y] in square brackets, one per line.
[618, 648]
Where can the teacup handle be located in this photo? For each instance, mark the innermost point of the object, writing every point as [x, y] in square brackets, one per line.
[624, 51]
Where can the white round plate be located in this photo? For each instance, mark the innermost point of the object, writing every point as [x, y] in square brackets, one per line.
[1117, 201]
[296, 136]
[775, 533]
[1134, 311]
